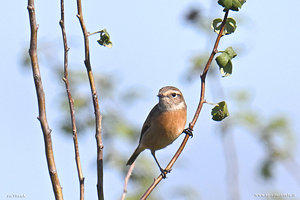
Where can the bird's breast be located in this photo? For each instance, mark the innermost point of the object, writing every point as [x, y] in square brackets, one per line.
[164, 129]
[172, 123]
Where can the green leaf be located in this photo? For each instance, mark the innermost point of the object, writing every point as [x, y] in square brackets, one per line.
[224, 61]
[105, 39]
[230, 52]
[216, 25]
[229, 28]
[267, 169]
[231, 4]
[227, 69]
[220, 111]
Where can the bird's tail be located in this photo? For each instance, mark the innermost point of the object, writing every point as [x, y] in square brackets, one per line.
[135, 154]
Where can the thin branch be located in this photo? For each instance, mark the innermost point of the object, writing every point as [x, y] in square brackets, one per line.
[203, 76]
[95, 33]
[71, 101]
[41, 103]
[98, 116]
[126, 180]
[202, 100]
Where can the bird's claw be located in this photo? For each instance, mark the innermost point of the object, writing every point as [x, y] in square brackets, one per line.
[189, 132]
[164, 172]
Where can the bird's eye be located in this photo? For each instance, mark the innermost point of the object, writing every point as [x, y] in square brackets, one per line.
[174, 95]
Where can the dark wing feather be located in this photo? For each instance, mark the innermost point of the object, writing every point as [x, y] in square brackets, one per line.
[147, 122]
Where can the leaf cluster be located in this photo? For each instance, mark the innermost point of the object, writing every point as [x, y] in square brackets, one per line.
[220, 111]
[105, 39]
[234, 5]
[224, 61]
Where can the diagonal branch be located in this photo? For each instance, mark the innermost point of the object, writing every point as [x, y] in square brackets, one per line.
[41, 103]
[71, 101]
[126, 180]
[192, 123]
[98, 116]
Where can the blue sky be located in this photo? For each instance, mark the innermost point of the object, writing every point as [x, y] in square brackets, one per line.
[152, 48]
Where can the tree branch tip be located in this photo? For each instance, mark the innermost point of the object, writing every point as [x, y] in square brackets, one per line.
[78, 16]
[64, 79]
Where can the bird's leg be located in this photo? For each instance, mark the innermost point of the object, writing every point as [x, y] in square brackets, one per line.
[188, 131]
[163, 171]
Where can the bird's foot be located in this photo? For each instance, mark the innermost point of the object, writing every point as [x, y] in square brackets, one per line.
[188, 131]
[164, 172]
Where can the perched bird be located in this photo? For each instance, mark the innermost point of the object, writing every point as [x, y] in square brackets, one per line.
[165, 122]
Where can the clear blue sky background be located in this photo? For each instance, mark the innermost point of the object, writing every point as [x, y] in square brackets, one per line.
[152, 48]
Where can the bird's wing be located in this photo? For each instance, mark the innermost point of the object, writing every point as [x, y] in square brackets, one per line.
[147, 122]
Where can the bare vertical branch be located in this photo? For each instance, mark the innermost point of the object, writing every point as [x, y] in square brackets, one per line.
[98, 116]
[71, 101]
[41, 103]
[202, 100]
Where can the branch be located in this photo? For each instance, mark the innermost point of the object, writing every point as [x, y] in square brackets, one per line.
[71, 101]
[41, 103]
[126, 180]
[98, 116]
[203, 76]
[192, 123]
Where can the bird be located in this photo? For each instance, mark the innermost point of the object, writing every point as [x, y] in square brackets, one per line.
[164, 124]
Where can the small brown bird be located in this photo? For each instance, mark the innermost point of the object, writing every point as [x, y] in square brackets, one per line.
[165, 122]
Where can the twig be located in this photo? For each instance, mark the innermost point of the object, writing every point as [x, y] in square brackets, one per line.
[41, 103]
[192, 123]
[95, 33]
[98, 116]
[71, 101]
[126, 180]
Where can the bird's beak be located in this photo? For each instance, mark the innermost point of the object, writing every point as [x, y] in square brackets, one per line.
[160, 95]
